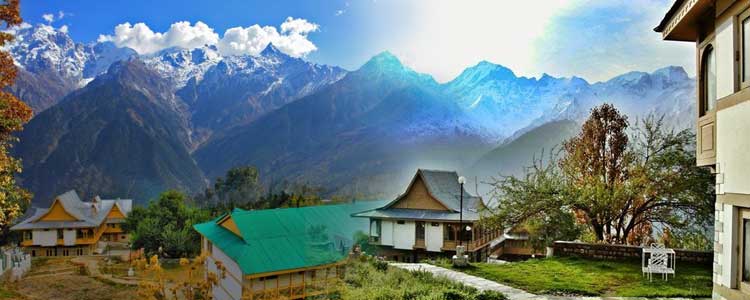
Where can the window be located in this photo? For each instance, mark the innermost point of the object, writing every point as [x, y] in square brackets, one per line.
[708, 80]
[375, 228]
[60, 234]
[435, 224]
[400, 222]
[27, 235]
[744, 240]
[744, 20]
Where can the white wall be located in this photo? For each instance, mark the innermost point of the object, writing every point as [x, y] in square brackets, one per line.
[44, 238]
[69, 237]
[404, 235]
[732, 145]
[386, 233]
[433, 237]
[230, 286]
[724, 43]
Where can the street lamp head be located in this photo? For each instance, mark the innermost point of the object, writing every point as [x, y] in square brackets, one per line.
[461, 180]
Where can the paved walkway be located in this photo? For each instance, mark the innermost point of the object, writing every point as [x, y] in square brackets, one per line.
[472, 281]
[512, 293]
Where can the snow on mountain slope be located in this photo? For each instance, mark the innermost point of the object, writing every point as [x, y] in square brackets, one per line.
[512, 105]
[180, 65]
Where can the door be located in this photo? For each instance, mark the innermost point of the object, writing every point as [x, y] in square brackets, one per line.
[419, 241]
[744, 255]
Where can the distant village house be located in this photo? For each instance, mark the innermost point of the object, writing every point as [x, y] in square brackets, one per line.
[426, 222]
[72, 227]
[287, 253]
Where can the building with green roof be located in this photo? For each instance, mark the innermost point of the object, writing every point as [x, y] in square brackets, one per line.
[288, 253]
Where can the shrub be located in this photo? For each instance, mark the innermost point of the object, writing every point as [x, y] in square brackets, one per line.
[453, 294]
[380, 265]
[491, 295]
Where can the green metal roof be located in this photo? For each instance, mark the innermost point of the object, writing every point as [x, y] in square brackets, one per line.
[288, 238]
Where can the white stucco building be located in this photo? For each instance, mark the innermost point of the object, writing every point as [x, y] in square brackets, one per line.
[720, 30]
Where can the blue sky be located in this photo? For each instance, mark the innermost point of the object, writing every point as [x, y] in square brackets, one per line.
[593, 39]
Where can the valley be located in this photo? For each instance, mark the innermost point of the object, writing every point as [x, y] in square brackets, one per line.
[109, 121]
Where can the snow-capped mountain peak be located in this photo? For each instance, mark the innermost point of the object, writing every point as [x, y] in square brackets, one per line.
[180, 65]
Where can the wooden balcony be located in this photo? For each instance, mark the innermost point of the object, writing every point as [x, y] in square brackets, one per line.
[294, 291]
[477, 242]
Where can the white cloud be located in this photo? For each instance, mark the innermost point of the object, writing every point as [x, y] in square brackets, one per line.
[63, 29]
[142, 39]
[48, 17]
[252, 40]
[298, 26]
[60, 14]
[339, 12]
[292, 38]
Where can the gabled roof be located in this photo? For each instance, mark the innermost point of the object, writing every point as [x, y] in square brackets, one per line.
[443, 186]
[273, 240]
[87, 214]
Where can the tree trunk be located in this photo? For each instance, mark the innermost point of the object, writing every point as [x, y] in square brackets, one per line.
[598, 229]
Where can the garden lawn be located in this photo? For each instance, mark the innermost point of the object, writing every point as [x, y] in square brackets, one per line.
[586, 277]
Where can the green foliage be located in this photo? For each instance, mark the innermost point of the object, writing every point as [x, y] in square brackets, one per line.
[380, 265]
[363, 240]
[241, 188]
[571, 276]
[554, 224]
[166, 223]
[491, 295]
[364, 280]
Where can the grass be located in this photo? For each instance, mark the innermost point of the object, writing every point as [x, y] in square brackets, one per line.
[44, 282]
[7, 292]
[585, 277]
[368, 279]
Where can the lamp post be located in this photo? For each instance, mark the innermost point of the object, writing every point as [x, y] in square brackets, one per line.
[461, 181]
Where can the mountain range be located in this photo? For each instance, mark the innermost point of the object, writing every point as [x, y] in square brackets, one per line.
[111, 122]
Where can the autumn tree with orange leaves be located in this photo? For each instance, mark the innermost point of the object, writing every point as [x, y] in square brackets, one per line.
[618, 182]
[13, 114]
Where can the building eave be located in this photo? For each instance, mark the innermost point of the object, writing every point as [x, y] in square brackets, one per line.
[680, 21]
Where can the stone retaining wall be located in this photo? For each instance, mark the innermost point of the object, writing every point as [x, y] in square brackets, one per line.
[607, 251]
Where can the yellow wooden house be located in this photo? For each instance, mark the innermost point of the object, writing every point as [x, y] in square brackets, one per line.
[71, 227]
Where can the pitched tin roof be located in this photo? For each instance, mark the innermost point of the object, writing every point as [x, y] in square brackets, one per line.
[417, 214]
[88, 214]
[441, 185]
[289, 238]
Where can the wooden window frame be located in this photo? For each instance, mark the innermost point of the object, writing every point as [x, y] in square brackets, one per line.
[702, 91]
[744, 214]
[745, 15]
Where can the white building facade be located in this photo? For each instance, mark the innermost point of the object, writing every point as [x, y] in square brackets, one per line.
[720, 30]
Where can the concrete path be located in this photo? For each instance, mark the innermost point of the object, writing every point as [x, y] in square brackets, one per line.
[510, 292]
[469, 280]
